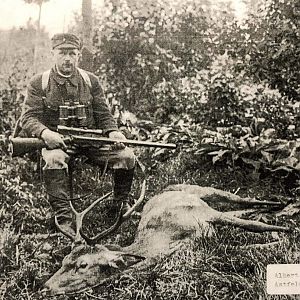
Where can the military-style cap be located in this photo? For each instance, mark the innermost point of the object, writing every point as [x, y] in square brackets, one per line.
[65, 40]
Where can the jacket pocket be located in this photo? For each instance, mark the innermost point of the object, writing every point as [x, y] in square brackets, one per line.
[89, 114]
[51, 113]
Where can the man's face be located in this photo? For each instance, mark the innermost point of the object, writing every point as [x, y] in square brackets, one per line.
[66, 59]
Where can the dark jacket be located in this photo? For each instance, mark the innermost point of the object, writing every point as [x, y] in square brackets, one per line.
[41, 108]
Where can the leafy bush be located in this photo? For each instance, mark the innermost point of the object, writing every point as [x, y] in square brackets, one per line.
[157, 45]
[273, 51]
[181, 62]
[263, 155]
[23, 201]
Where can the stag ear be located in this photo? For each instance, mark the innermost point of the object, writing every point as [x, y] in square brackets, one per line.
[113, 247]
[132, 259]
[124, 260]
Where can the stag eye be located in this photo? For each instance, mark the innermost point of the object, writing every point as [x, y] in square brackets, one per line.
[83, 265]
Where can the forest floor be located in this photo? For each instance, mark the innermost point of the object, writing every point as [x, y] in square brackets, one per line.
[224, 266]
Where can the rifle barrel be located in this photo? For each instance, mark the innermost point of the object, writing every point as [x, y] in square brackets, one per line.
[104, 140]
[73, 132]
[19, 146]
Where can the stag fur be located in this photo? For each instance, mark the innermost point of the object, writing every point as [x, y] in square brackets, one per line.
[168, 220]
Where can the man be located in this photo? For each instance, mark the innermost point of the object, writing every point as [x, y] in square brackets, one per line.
[44, 108]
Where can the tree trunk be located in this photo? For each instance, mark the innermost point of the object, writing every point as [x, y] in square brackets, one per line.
[87, 32]
[37, 36]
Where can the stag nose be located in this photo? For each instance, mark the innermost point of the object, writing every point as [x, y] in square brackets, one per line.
[48, 289]
[45, 291]
[51, 288]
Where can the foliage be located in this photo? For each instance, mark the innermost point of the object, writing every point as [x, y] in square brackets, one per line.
[17, 54]
[179, 61]
[273, 51]
[39, 2]
[23, 204]
[197, 271]
[262, 155]
[136, 53]
[16, 69]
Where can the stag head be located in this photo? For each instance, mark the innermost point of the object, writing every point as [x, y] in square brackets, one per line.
[87, 266]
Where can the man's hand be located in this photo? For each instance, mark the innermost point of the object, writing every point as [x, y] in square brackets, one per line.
[53, 139]
[118, 136]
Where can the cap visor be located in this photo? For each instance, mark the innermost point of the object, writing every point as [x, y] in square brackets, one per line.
[66, 46]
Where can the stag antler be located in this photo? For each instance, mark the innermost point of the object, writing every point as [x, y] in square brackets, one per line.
[137, 203]
[80, 237]
[78, 219]
[120, 218]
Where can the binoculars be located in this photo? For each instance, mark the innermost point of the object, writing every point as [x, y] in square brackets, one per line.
[72, 114]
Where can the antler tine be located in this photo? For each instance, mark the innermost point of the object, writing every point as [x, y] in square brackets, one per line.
[75, 212]
[95, 203]
[79, 219]
[79, 216]
[137, 203]
[101, 235]
[120, 218]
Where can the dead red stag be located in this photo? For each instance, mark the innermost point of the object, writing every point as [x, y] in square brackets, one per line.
[168, 219]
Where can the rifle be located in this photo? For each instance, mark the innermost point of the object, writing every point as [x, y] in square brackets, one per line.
[76, 136]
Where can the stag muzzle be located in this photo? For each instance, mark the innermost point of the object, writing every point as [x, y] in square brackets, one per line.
[51, 287]
[61, 283]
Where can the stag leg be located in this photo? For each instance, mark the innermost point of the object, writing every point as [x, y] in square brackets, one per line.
[240, 213]
[209, 194]
[255, 226]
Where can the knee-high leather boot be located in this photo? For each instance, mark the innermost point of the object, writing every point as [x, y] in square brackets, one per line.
[57, 187]
[122, 185]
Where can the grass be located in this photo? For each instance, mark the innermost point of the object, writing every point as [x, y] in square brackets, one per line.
[220, 267]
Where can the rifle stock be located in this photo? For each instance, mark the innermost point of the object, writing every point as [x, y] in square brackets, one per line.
[20, 146]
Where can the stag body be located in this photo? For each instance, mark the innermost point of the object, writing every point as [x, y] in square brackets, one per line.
[167, 221]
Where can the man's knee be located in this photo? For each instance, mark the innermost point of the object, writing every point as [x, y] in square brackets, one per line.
[55, 159]
[126, 159]
[130, 158]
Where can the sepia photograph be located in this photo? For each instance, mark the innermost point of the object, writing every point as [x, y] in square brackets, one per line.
[149, 149]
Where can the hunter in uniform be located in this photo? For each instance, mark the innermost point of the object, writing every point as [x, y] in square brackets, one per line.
[65, 84]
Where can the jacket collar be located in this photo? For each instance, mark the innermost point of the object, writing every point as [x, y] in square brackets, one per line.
[61, 80]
